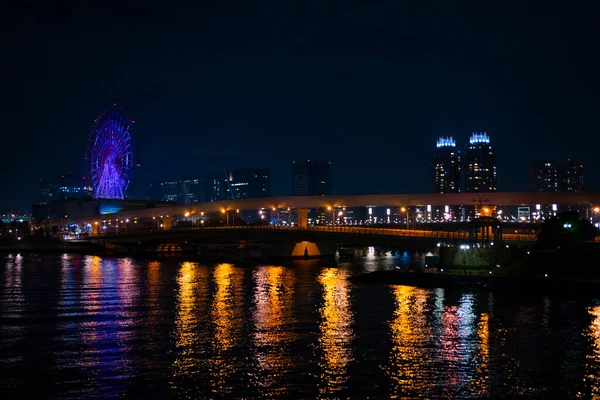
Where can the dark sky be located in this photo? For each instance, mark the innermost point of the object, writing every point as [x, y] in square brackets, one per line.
[368, 85]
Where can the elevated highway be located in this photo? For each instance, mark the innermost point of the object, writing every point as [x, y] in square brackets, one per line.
[300, 203]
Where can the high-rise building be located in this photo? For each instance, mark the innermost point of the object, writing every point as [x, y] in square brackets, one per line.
[248, 183]
[480, 165]
[199, 187]
[68, 186]
[543, 176]
[571, 176]
[204, 186]
[311, 178]
[446, 167]
[171, 191]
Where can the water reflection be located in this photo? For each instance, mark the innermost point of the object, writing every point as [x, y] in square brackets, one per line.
[227, 318]
[134, 329]
[481, 382]
[435, 342]
[191, 327]
[459, 343]
[592, 377]
[274, 303]
[12, 304]
[410, 333]
[152, 303]
[13, 300]
[336, 333]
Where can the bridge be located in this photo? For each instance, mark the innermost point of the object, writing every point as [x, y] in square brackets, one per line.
[151, 224]
[298, 241]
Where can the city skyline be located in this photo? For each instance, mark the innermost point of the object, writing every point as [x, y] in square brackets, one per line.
[449, 172]
[309, 85]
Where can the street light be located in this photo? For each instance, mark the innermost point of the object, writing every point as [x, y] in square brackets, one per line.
[226, 215]
[329, 208]
[405, 209]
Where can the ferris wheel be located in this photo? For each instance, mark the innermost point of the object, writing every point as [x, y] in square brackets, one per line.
[109, 156]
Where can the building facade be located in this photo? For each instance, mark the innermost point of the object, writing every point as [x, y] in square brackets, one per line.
[571, 176]
[248, 183]
[480, 165]
[446, 167]
[199, 187]
[543, 176]
[311, 178]
[68, 186]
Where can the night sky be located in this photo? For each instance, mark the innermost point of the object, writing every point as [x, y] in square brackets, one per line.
[368, 85]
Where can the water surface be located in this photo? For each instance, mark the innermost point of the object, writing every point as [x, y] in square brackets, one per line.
[90, 327]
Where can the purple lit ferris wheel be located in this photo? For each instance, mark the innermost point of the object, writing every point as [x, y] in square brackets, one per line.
[109, 156]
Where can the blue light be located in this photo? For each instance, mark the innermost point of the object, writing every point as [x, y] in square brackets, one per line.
[446, 142]
[481, 137]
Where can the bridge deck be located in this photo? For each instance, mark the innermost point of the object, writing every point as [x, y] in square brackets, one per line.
[328, 229]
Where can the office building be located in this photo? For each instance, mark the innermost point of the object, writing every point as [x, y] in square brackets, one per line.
[68, 186]
[311, 178]
[248, 183]
[571, 176]
[199, 187]
[543, 176]
[480, 165]
[204, 186]
[446, 167]
[171, 191]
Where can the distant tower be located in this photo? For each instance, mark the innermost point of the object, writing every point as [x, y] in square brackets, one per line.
[311, 178]
[571, 176]
[543, 176]
[480, 165]
[445, 163]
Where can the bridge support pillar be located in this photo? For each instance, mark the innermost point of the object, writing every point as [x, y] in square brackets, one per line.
[304, 249]
[302, 217]
[167, 221]
[95, 228]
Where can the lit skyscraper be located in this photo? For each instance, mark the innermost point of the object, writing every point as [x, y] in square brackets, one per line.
[200, 187]
[571, 176]
[543, 176]
[69, 186]
[446, 167]
[480, 165]
[311, 178]
[248, 183]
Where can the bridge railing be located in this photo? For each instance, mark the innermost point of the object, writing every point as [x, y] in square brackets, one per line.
[337, 229]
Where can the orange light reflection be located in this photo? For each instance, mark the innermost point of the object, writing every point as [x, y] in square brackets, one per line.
[410, 333]
[336, 331]
[592, 374]
[274, 302]
[227, 319]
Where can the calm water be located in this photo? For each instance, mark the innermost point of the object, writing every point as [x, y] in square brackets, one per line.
[91, 327]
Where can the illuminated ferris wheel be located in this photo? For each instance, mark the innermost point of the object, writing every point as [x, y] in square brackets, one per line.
[109, 156]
